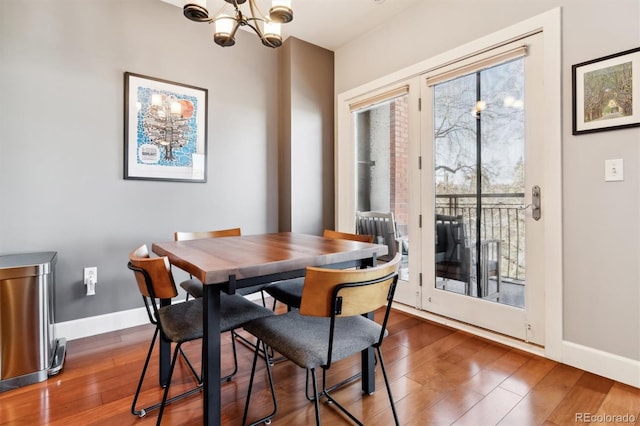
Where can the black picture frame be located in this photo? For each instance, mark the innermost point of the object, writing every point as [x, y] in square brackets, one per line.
[165, 130]
[606, 93]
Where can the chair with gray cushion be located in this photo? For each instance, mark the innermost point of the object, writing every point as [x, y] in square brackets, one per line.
[329, 326]
[193, 286]
[289, 291]
[455, 255]
[181, 322]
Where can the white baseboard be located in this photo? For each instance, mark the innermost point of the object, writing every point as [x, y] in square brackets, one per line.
[605, 364]
[99, 324]
[90, 326]
[468, 328]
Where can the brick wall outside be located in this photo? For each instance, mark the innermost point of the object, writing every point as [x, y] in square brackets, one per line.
[399, 161]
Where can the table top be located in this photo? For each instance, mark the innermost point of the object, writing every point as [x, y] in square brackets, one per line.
[214, 260]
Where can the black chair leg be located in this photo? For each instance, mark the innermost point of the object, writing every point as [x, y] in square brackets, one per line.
[316, 397]
[197, 376]
[266, 419]
[306, 387]
[176, 352]
[229, 376]
[386, 382]
[165, 401]
[326, 393]
[142, 412]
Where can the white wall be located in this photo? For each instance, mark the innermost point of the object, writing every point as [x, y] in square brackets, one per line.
[61, 141]
[601, 220]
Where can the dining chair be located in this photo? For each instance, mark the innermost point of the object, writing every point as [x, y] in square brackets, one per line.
[193, 286]
[382, 226]
[181, 322]
[329, 326]
[456, 259]
[289, 291]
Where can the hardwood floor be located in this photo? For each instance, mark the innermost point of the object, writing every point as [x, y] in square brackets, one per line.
[439, 376]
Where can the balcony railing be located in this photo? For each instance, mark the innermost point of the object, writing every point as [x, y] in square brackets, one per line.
[501, 218]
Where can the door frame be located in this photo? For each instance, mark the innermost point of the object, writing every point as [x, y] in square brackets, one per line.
[550, 25]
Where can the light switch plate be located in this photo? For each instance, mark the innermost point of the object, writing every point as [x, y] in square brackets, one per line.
[613, 170]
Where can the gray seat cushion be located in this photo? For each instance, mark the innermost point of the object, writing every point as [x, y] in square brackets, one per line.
[183, 321]
[235, 311]
[250, 290]
[288, 292]
[193, 287]
[305, 339]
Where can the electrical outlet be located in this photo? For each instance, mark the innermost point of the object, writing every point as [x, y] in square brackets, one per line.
[90, 279]
[91, 274]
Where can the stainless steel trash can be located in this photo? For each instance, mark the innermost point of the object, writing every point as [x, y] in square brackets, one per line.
[29, 350]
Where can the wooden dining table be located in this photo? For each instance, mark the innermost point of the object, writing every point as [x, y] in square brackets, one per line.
[228, 263]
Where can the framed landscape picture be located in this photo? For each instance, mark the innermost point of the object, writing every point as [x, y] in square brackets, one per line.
[165, 130]
[606, 93]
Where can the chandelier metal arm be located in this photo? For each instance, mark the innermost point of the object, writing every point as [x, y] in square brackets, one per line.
[253, 8]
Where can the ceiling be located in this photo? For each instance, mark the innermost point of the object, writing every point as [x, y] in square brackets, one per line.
[329, 23]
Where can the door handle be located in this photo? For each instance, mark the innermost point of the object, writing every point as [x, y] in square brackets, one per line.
[535, 203]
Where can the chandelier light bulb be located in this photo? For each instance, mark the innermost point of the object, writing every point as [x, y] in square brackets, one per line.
[281, 11]
[196, 10]
[271, 32]
[225, 27]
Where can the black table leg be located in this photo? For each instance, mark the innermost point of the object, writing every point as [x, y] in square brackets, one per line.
[165, 353]
[211, 355]
[368, 368]
[368, 357]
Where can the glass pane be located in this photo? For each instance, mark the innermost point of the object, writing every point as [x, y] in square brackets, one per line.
[455, 167]
[503, 142]
[382, 144]
[479, 184]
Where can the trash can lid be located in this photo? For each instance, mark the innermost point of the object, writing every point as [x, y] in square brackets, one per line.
[26, 264]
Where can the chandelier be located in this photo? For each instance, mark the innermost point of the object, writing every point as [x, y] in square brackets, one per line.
[230, 17]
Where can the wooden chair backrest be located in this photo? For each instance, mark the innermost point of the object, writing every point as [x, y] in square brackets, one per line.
[185, 236]
[159, 272]
[347, 236]
[319, 285]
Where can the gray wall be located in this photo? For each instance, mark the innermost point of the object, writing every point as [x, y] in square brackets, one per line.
[601, 226]
[61, 140]
[306, 181]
